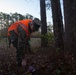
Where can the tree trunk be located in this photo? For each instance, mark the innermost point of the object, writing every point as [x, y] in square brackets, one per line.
[70, 25]
[74, 22]
[43, 20]
[57, 24]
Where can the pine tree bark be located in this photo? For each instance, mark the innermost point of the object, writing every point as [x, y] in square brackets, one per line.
[57, 24]
[70, 25]
[43, 20]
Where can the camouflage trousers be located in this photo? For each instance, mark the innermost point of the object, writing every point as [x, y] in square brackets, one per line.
[21, 43]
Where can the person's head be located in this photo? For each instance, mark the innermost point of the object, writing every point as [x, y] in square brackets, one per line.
[36, 24]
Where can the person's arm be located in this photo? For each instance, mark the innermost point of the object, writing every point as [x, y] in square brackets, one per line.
[13, 39]
[23, 37]
[28, 44]
[9, 41]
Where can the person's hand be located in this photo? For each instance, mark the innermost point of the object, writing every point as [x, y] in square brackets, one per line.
[23, 63]
[11, 46]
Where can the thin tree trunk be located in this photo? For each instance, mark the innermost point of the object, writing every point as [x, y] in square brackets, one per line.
[43, 20]
[57, 24]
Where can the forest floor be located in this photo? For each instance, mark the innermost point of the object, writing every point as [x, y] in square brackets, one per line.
[44, 61]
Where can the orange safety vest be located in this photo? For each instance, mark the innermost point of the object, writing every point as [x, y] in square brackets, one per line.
[23, 24]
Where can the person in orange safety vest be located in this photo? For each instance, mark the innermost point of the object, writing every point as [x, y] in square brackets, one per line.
[19, 34]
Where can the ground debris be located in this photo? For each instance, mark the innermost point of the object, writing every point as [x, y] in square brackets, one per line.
[43, 61]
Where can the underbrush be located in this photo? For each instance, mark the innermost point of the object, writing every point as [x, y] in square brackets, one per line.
[45, 61]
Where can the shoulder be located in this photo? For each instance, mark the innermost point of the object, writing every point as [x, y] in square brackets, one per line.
[26, 20]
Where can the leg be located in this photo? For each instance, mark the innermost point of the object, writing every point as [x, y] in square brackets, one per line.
[21, 45]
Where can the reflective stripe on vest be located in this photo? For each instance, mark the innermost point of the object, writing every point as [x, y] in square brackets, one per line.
[25, 28]
[21, 24]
